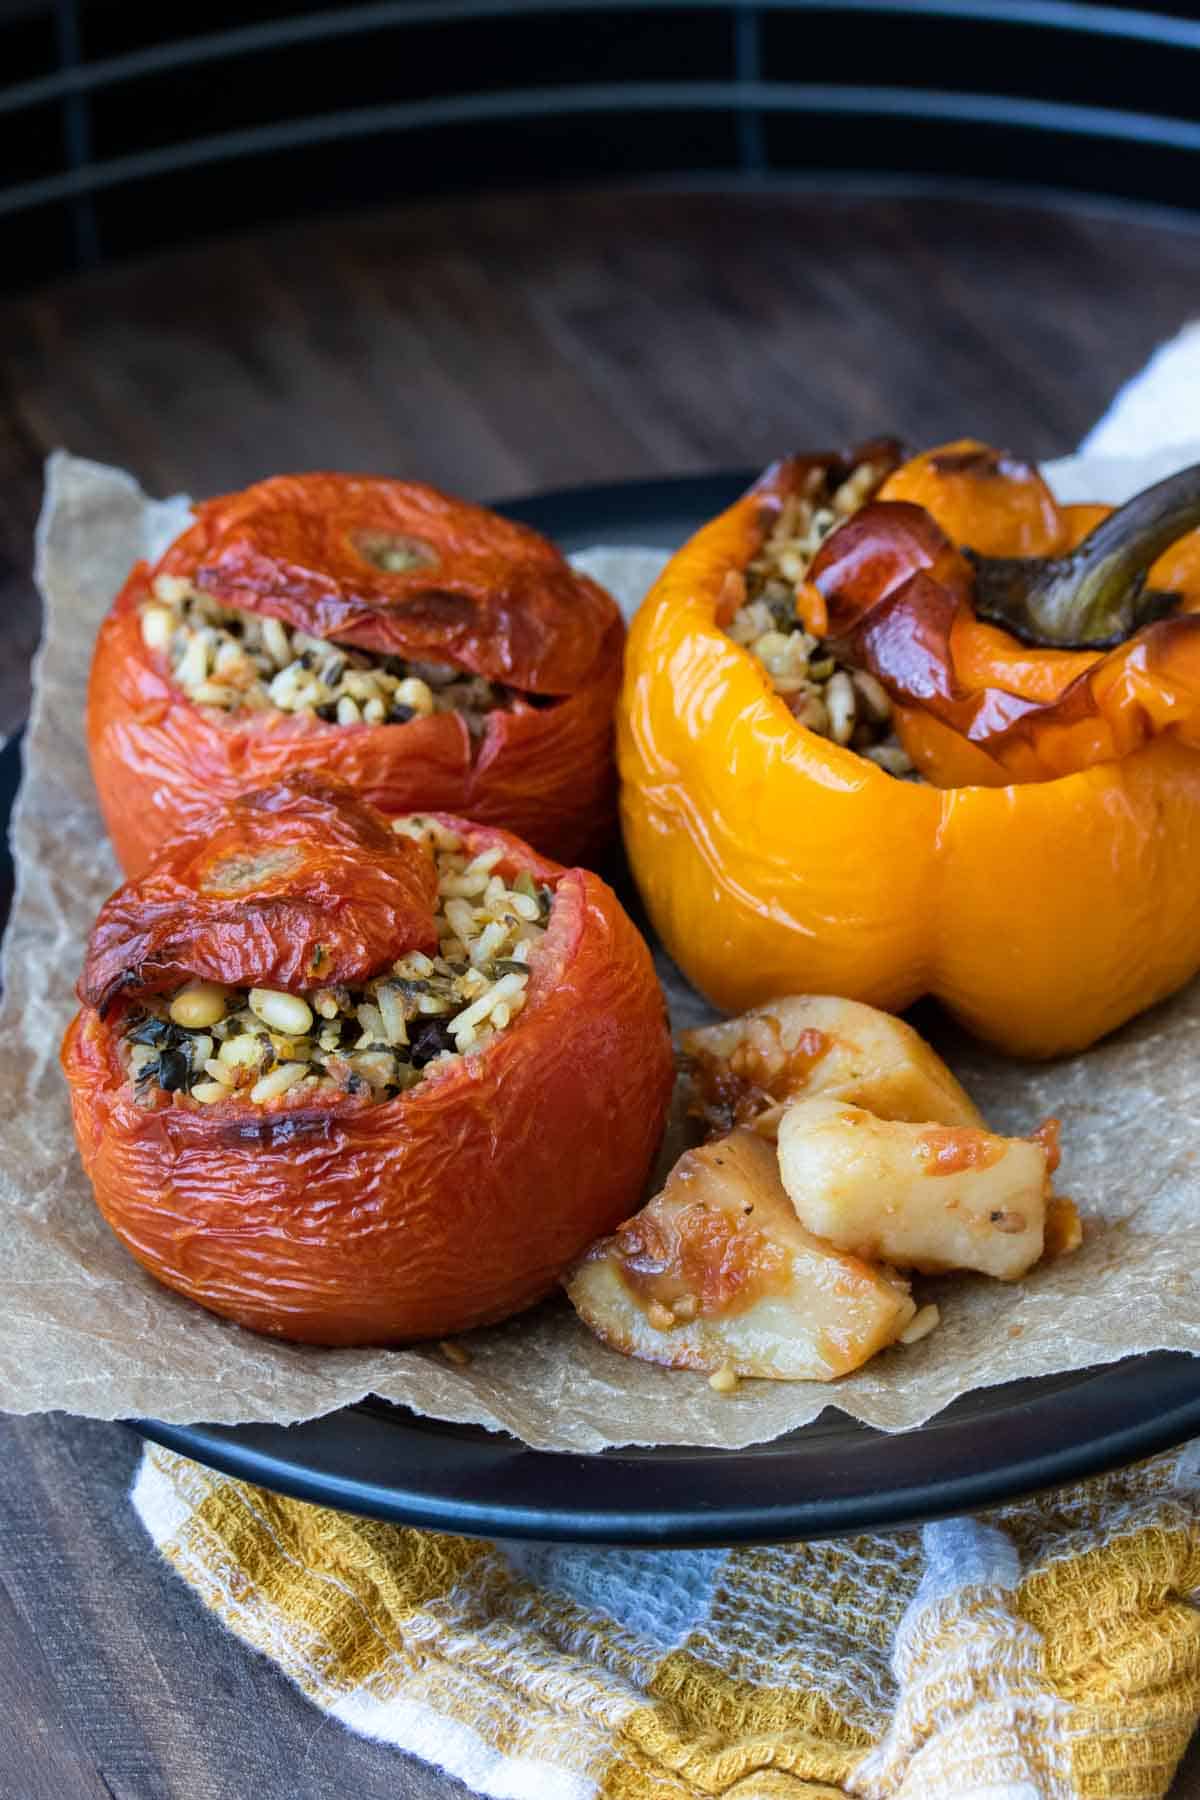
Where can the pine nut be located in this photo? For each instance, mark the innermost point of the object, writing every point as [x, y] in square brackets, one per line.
[890, 757]
[278, 645]
[920, 1325]
[173, 590]
[415, 693]
[215, 693]
[287, 1013]
[391, 1011]
[209, 1091]
[873, 695]
[810, 711]
[193, 666]
[245, 1051]
[198, 1005]
[157, 626]
[841, 705]
[277, 1082]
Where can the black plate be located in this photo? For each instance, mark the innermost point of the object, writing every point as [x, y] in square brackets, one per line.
[832, 1477]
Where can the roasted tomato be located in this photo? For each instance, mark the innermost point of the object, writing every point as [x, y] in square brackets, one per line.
[349, 1082]
[425, 650]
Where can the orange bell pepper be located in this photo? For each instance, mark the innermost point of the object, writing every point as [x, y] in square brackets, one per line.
[1039, 880]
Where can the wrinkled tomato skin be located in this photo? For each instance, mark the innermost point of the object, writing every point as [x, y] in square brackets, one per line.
[454, 1205]
[159, 762]
[485, 592]
[302, 886]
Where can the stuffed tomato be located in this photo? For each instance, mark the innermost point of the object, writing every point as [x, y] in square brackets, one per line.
[427, 651]
[349, 1081]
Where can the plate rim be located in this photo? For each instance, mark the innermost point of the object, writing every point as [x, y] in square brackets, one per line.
[520, 1479]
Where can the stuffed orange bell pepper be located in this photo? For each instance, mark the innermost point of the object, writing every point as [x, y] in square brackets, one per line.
[429, 652]
[349, 1082]
[890, 730]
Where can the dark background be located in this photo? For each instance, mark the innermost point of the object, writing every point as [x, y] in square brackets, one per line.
[204, 75]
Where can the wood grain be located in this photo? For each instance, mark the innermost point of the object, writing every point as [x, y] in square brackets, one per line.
[493, 346]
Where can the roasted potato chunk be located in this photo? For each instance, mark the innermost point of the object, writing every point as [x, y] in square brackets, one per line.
[922, 1196]
[746, 1069]
[717, 1273]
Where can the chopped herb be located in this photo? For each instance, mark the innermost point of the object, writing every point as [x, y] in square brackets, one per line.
[150, 1031]
[174, 1067]
[429, 1039]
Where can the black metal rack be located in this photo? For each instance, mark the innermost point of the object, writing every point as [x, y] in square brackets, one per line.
[111, 141]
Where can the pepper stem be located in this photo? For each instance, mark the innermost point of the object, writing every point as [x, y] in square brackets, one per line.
[1096, 596]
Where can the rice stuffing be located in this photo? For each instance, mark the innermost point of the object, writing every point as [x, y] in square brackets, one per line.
[821, 691]
[242, 661]
[401, 1028]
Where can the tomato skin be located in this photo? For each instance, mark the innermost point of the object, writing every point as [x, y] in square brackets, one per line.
[507, 606]
[456, 1204]
[299, 886]
[486, 593]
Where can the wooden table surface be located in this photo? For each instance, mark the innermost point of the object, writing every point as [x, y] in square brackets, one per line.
[494, 347]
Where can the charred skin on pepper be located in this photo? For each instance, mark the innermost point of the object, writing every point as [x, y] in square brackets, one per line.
[975, 705]
[1098, 799]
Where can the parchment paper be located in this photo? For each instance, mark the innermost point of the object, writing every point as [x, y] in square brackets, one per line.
[81, 1328]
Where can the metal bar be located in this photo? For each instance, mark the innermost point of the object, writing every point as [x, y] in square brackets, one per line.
[77, 133]
[1060, 15]
[532, 103]
[747, 68]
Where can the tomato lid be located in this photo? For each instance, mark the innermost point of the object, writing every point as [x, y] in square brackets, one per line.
[398, 568]
[300, 885]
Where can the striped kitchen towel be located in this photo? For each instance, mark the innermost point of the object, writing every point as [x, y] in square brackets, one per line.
[1049, 1649]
